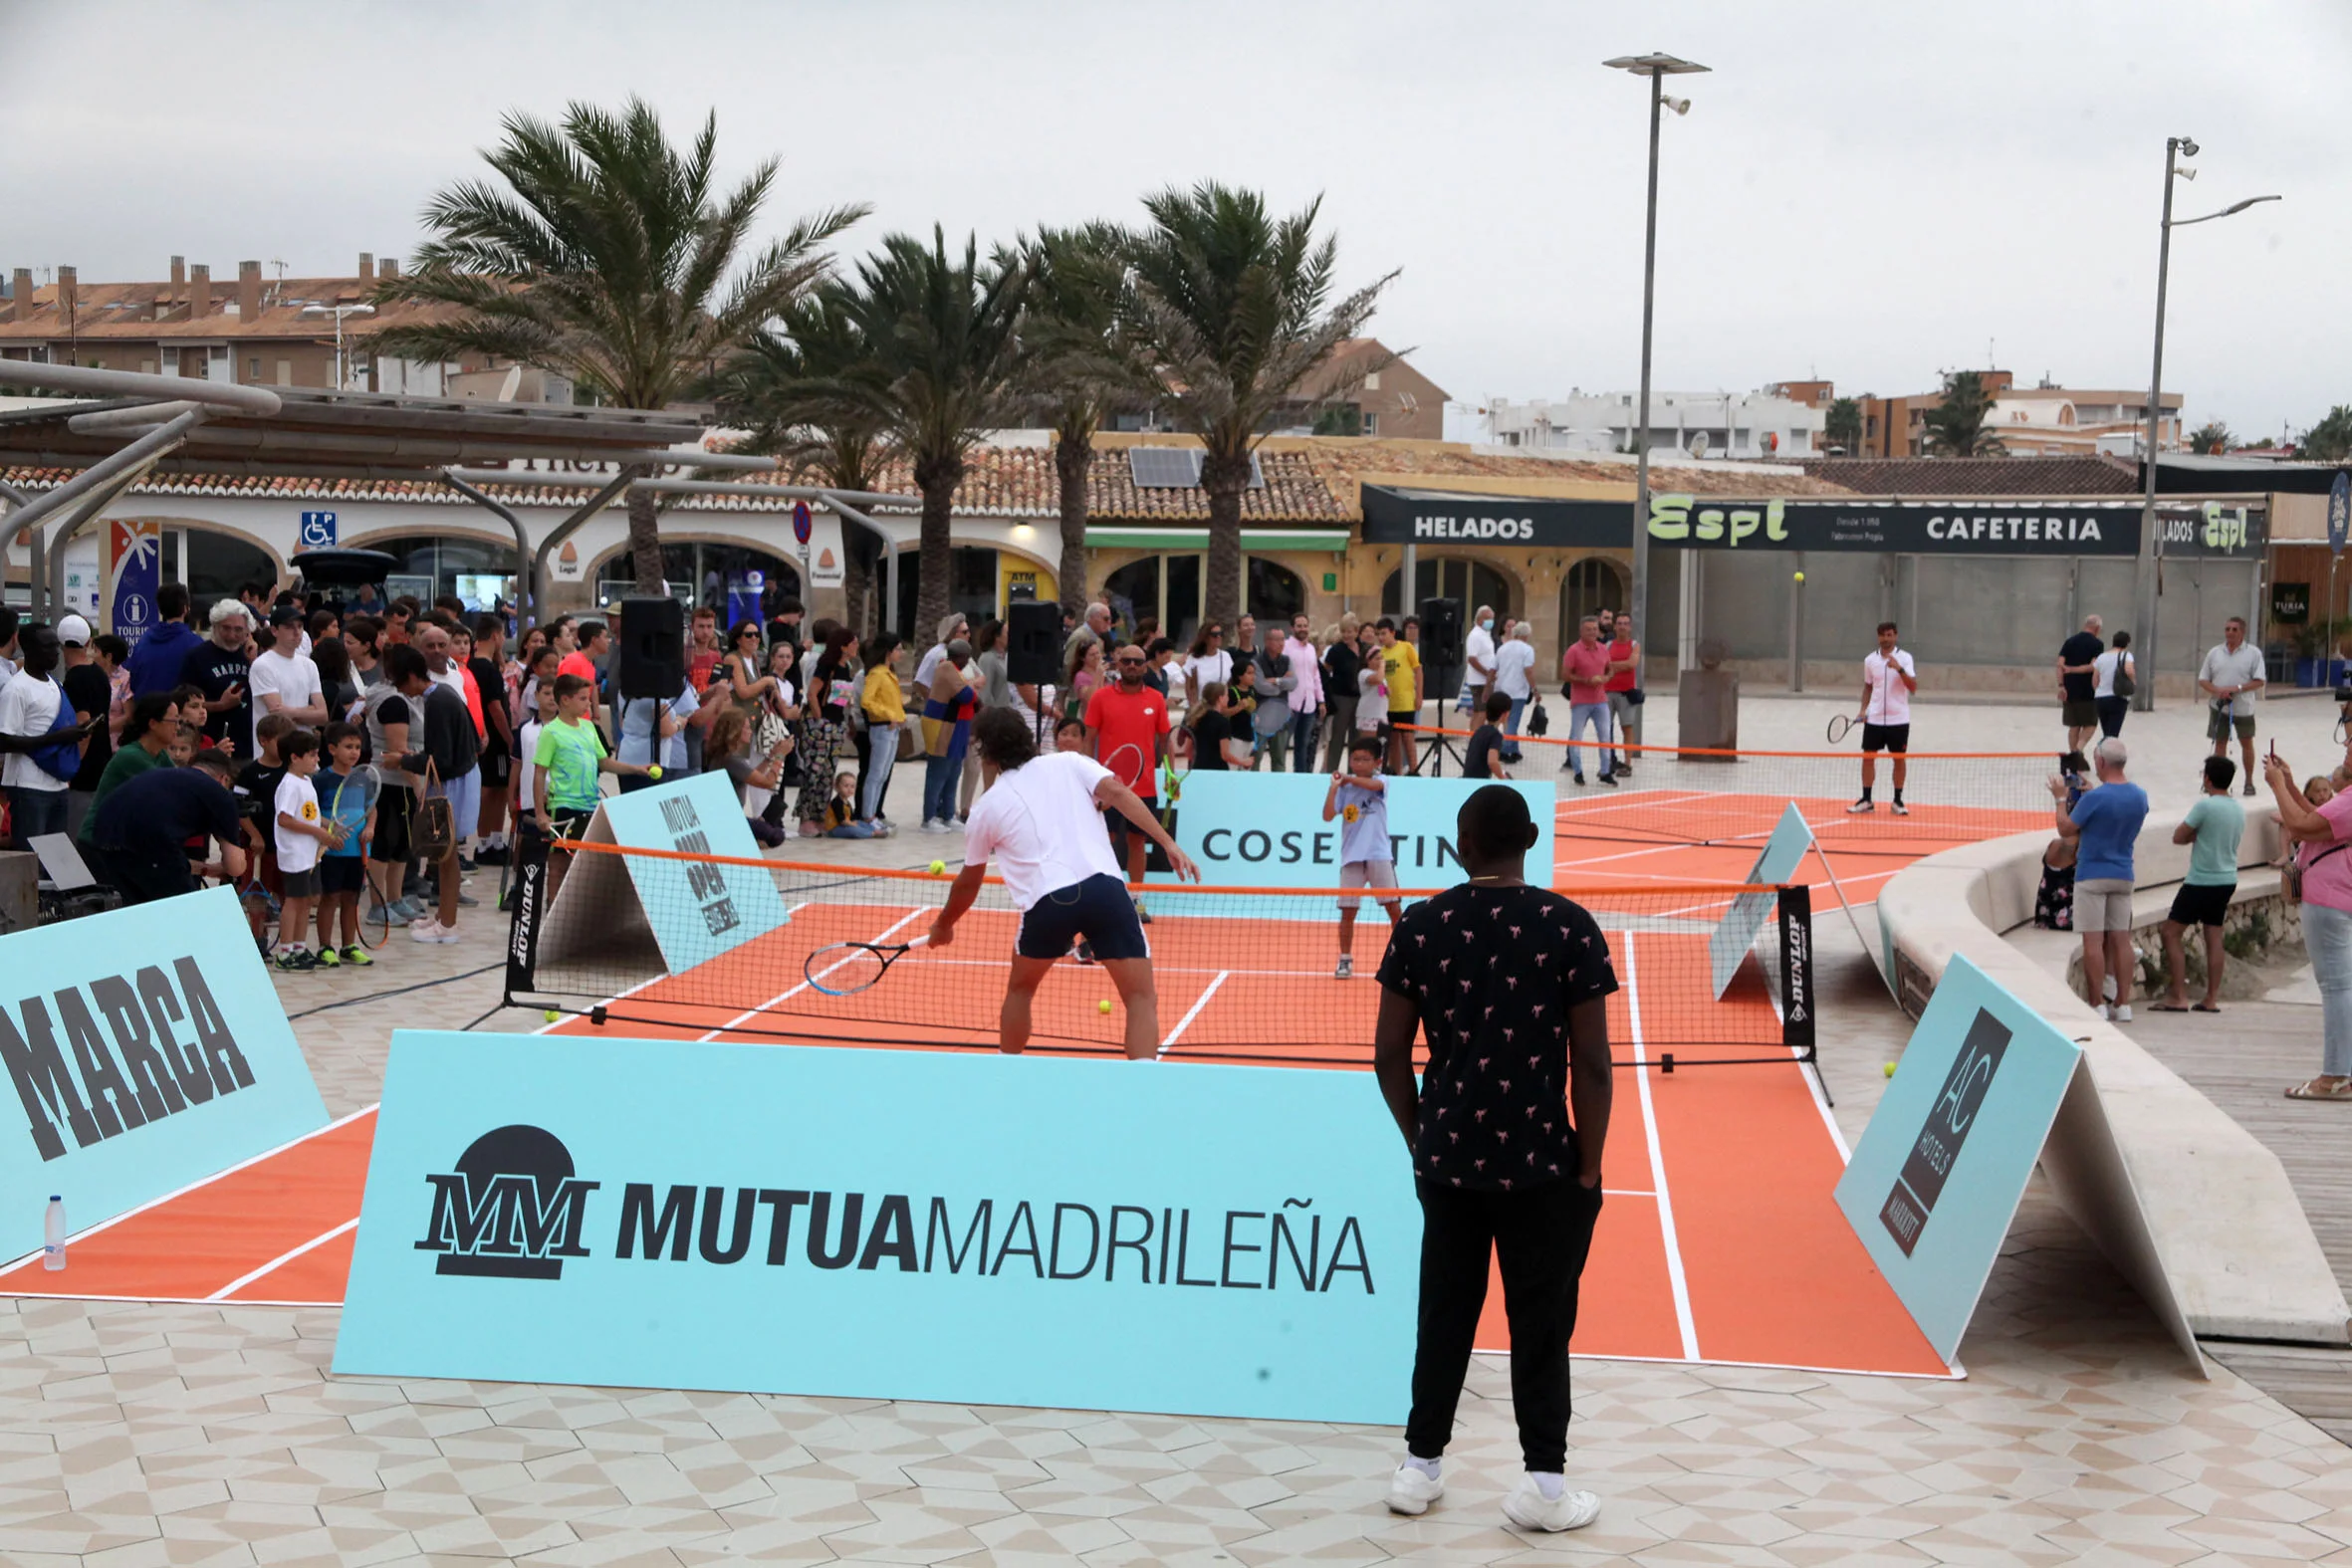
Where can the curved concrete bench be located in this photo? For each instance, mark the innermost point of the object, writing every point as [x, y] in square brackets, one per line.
[2227, 1232]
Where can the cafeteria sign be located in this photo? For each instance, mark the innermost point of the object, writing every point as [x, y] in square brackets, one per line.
[1952, 528]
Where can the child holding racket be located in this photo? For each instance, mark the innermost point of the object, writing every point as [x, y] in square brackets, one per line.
[301, 837]
[351, 787]
[1889, 677]
[1358, 800]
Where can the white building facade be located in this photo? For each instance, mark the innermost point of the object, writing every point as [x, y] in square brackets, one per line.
[1749, 425]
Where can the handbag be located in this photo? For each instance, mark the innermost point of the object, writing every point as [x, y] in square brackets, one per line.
[1537, 721]
[1636, 697]
[432, 828]
[2123, 685]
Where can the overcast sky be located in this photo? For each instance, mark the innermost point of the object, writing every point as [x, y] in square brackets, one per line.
[1865, 193]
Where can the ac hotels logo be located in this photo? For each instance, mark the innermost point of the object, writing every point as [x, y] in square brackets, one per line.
[511, 1210]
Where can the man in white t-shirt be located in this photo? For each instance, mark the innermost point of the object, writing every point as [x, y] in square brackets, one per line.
[1514, 665]
[284, 679]
[1889, 677]
[2231, 674]
[1478, 660]
[1041, 820]
[28, 707]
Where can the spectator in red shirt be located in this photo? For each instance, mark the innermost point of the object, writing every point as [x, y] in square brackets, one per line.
[1624, 678]
[1586, 668]
[1128, 733]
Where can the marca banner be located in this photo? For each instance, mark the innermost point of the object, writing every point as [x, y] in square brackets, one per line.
[697, 910]
[1955, 528]
[1735, 934]
[1249, 830]
[1936, 1179]
[148, 1051]
[1198, 1240]
[135, 555]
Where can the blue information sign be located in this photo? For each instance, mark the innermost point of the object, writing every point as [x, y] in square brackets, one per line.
[318, 531]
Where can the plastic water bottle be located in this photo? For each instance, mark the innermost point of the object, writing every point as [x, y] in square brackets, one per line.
[53, 1235]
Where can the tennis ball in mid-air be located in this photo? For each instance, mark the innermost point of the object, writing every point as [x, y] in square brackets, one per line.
[552, 1014]
[1104, 1005]
[1890, 1069]
[939, 868]
[1800, 577]
[655, 772]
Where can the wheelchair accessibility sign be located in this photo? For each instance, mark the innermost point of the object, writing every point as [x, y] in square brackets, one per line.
[318, 531]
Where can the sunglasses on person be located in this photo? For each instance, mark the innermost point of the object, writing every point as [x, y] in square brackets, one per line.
[1130, 658]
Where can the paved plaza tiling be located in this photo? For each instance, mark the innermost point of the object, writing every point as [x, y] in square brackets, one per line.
[135, 1435]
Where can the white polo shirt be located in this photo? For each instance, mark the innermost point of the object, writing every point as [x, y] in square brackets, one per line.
[1040, 825]
[1890, 698]
[1478, 648]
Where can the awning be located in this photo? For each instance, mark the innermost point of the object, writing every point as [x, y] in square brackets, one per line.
[1333, 540]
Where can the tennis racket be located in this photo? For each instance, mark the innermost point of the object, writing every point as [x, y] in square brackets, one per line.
[846, 967]
[375, 924]
[2343, 736]
[1128, 765]
[1839, 727]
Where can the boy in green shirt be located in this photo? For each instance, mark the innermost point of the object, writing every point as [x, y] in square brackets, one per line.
[570, 755]
[2213, 828]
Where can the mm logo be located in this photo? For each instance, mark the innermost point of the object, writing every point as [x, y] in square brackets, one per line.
[512, 1209]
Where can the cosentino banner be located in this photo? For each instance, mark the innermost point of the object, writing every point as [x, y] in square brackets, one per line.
[146, 1049]
[897, 1225]
[2063, 525]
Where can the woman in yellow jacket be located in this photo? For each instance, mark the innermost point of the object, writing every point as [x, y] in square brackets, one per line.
[885, 721]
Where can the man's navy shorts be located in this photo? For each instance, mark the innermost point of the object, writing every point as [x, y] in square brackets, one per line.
[1099, 909]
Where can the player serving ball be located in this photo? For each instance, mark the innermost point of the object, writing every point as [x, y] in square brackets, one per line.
[1039, 818]
[1889, 677]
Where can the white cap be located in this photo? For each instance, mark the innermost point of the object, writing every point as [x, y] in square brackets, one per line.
[74, 631]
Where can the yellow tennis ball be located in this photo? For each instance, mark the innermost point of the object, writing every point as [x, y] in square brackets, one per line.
[939, 868]
[552, 1014]
[1890, 1069]
[1800, 577]
[655, 772]
[1104, 1005]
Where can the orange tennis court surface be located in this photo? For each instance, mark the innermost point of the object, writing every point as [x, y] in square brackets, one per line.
[1719, 1240]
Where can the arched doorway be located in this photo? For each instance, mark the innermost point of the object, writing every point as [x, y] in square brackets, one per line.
[727, 578]
[1593, 583]
[1271, 591]
[1168, 588]
[213, 564]
[1474, 583]
[480, 572]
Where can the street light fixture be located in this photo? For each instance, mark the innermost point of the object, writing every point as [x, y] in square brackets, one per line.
[339, 312]
[1657, 66]
[2145, 575]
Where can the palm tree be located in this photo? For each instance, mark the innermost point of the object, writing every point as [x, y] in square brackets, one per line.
[1229, 313]
[943, 367]
[2330, 440]
[609, 257]
[787, 387]
[2212, 438]
[1072, 373]
[1955, 425]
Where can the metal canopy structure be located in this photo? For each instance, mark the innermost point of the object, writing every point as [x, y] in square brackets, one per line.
[134, 424]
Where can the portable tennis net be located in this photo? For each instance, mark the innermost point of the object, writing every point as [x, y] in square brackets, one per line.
[671, 945]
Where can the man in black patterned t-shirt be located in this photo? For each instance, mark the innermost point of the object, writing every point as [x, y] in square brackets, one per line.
[1508, 985]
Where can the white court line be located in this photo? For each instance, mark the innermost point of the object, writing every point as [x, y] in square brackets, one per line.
[551, 1027]
[1199, 1002]
[786, 995]
[1577, 809]
[182, 1192]
[1649, 1121]
[281, 1260]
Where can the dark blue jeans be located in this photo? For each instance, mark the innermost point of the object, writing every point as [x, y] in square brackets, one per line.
[36, 813]
[941, 774]
[1302, 741]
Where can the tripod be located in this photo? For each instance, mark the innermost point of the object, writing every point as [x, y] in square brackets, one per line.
[1442, 745]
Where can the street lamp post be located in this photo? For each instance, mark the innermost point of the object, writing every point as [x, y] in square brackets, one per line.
[2146, 574]
[342, 373]
[1657, 66]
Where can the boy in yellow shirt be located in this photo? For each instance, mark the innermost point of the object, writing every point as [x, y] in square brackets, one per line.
[1401, 662]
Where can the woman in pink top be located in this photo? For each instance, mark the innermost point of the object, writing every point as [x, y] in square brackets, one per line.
[2324, 830]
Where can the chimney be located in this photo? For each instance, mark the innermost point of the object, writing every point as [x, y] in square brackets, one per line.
[249, 290]
[367, 267]
[388, 268]
[179, 274]
[199, 291]
[69, 288]
[20, 297]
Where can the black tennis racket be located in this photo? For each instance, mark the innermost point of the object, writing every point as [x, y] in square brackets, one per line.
[848, 968]
[1839, 727]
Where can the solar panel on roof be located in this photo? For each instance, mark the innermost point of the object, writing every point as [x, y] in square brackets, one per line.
[1164, 467]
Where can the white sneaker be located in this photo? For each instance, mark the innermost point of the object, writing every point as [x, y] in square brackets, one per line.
[1412, 1490]
[1529, 1510]
[2121, 1013]
[1860, 808]
[431, 930]
[1346, 969]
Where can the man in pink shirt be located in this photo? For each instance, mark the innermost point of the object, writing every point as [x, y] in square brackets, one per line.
[1586, 668]
[1307, 698]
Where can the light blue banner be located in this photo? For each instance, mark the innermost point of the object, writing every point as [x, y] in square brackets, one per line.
[1268, 830]
[697, 910]
[1729, 943]
[1938, 1174]
[146, 1049]
[1199, 1240]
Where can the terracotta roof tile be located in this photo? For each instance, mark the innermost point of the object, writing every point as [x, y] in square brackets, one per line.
[2087, 475]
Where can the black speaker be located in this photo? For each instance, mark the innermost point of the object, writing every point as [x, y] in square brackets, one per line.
[652, 643]
[1441, 634]
[1033, 642]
